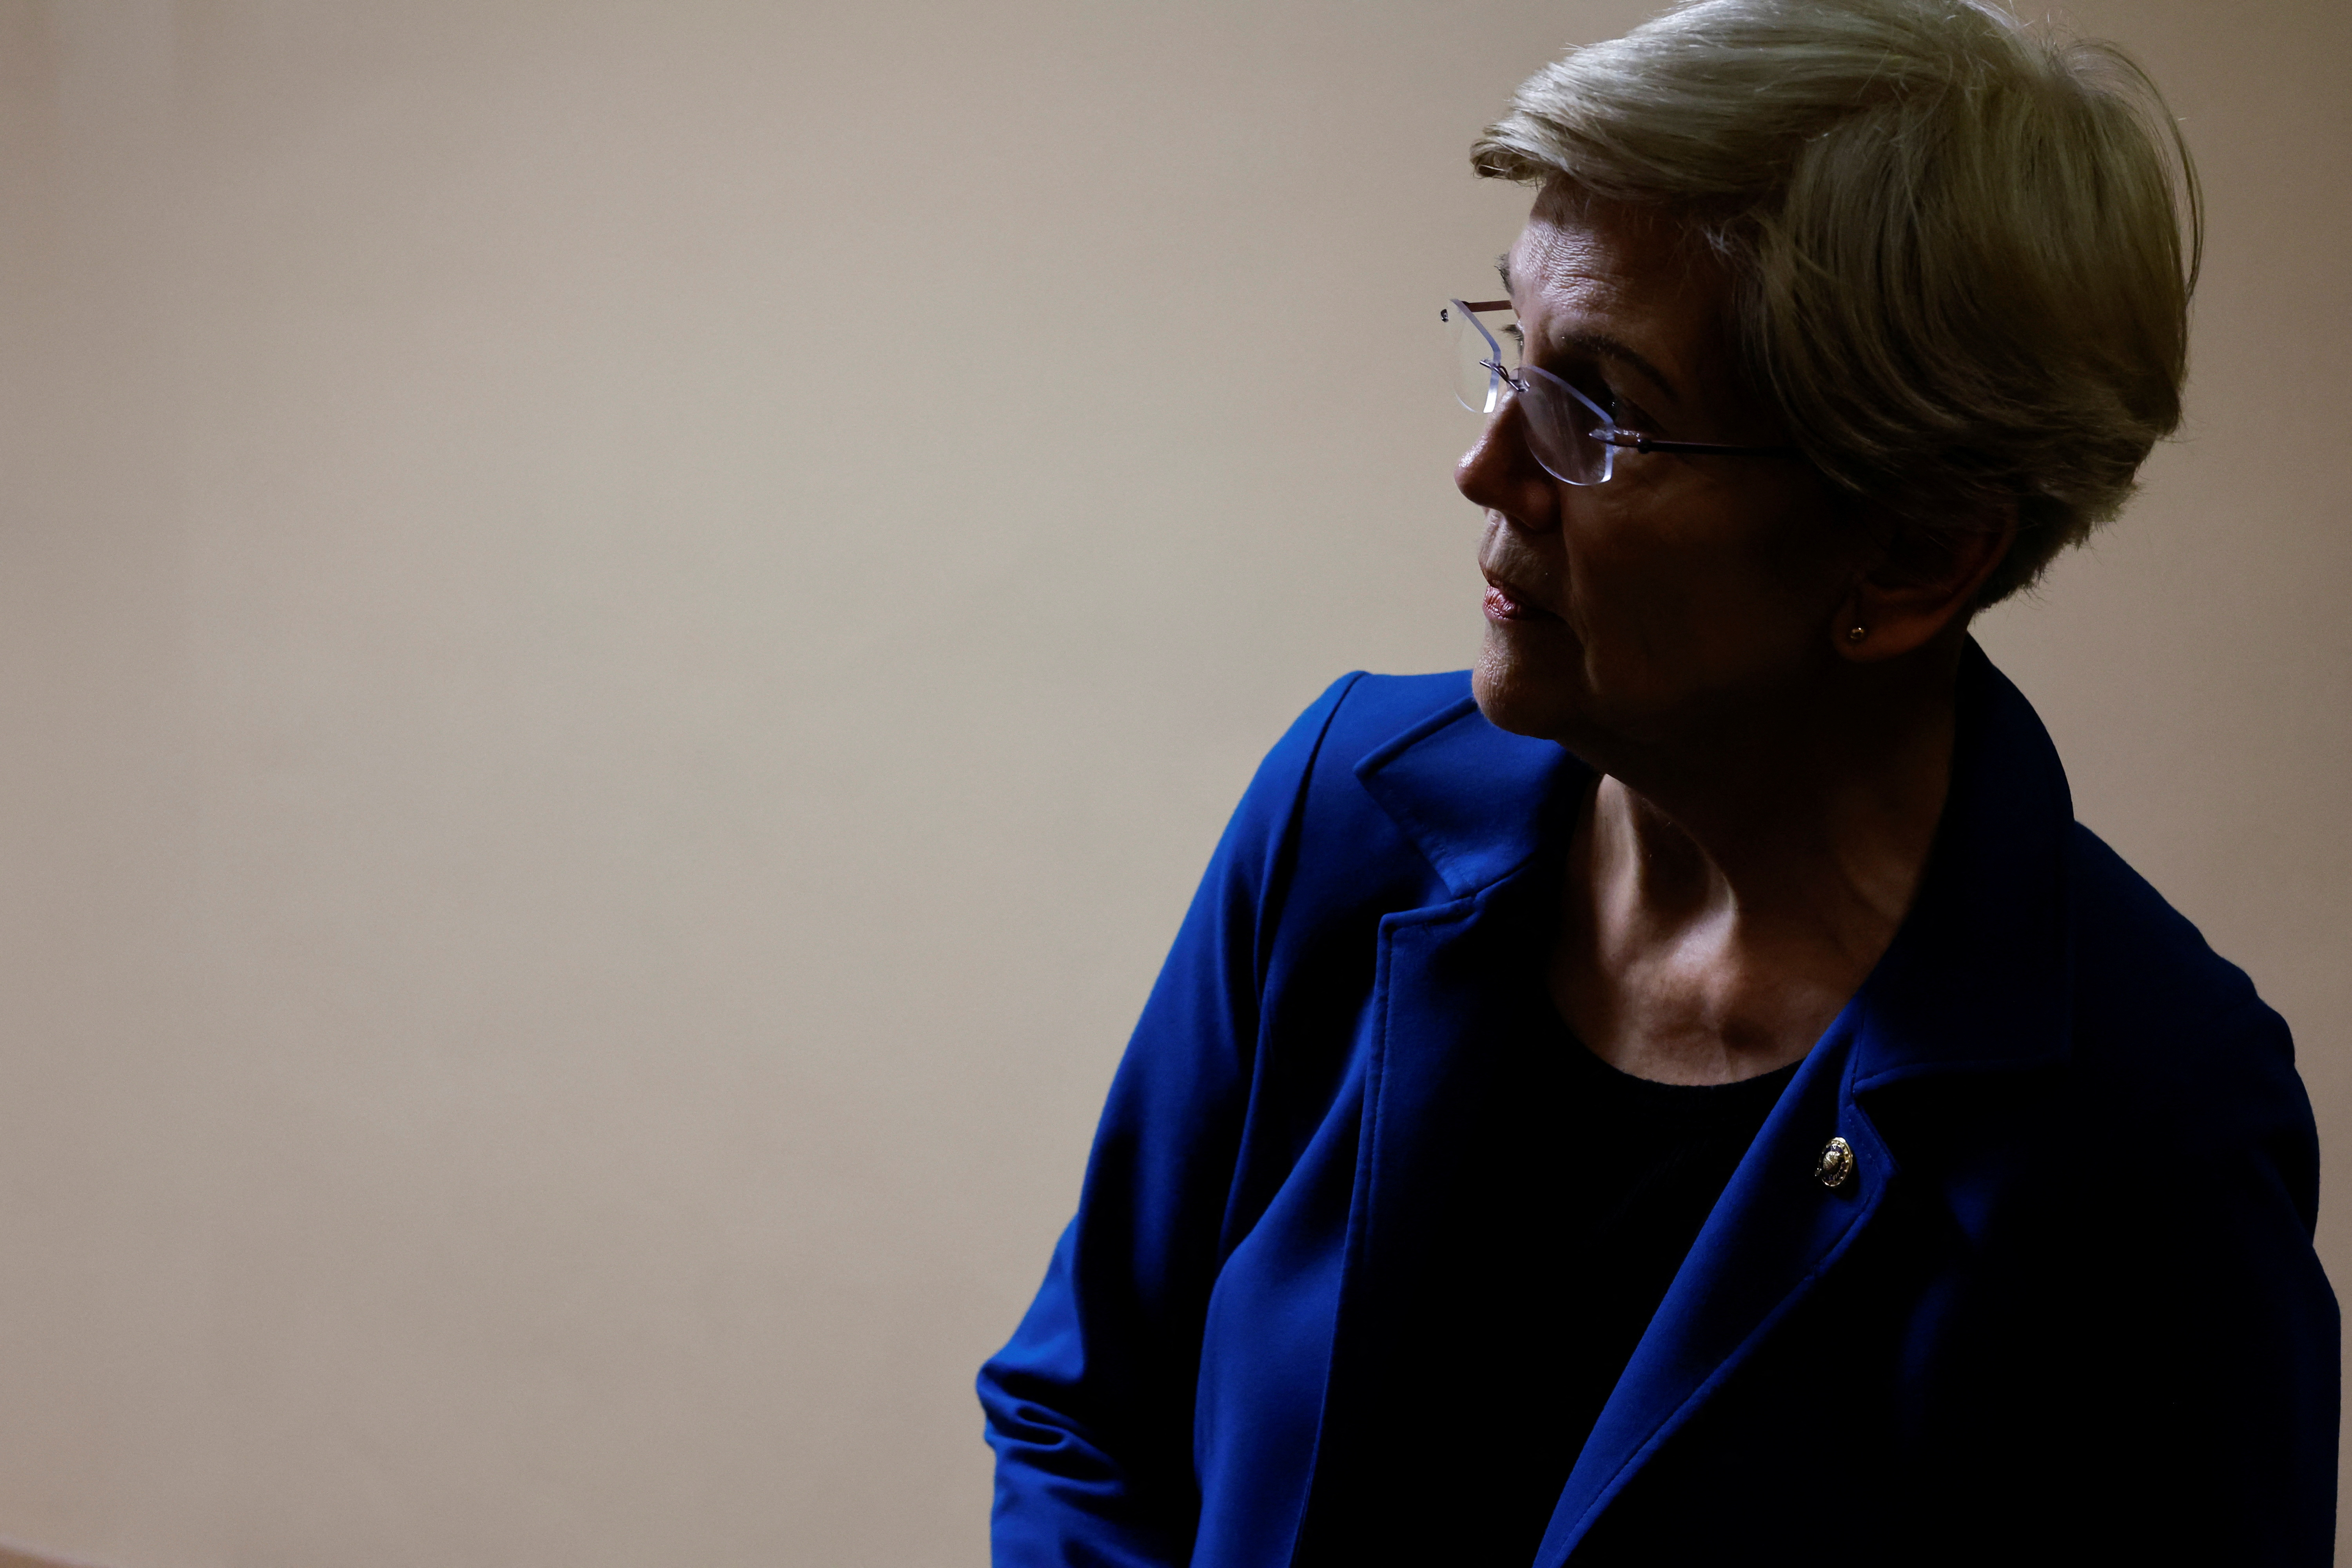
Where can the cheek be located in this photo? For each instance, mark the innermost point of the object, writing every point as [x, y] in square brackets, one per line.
[1635, 590]
[1695, 598]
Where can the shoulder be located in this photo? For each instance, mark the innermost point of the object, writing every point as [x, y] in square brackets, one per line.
[1382, 706]
[2140, 966]
[2130, 940]
[1312, 768]
[1358, 713]
[2175, 1035]
[1309, 840]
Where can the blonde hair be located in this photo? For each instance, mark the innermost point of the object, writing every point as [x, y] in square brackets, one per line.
[1958, 246]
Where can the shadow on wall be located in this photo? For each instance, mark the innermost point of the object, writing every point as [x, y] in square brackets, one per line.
[11, 1557]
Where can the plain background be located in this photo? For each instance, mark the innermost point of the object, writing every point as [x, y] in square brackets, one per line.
[622, 628]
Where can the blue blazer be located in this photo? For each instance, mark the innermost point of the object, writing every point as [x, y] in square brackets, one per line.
[2066, 1307]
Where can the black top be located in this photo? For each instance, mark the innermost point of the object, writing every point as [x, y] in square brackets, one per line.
[1601, 1182]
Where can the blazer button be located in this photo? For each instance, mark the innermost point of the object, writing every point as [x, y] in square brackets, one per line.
[1835, 1167]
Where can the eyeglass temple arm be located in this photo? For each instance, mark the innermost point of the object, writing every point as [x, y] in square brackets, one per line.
[1484, 304]
[1641, 443]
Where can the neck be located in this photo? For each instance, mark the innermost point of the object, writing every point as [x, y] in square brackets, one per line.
[1820, 809]
[1753, 883]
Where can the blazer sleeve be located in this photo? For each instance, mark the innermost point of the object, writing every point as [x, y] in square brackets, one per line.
[2173, 1399]
[2239, 1393]
[1089, 1408]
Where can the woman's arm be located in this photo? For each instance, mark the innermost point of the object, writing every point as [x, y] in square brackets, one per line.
[2236, 1327]
[1090, 1405]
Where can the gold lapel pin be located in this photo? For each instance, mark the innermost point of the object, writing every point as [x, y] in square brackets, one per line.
[1836, 1165]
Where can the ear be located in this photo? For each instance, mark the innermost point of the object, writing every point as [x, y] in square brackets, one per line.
[1917, 583]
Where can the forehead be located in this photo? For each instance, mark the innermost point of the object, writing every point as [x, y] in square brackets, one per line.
[1633, 273]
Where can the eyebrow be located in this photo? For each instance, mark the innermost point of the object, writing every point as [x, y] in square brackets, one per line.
[1600, 346]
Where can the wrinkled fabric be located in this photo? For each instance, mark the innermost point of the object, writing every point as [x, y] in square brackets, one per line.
[2065, 1306]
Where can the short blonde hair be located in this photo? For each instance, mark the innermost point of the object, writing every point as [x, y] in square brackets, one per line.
[1962, 251]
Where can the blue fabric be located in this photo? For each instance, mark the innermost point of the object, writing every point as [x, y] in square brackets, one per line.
[2067, 1308]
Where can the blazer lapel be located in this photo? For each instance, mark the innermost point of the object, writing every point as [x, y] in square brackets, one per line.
[1478, 803]
[1774, 1232]
[1475, 801]
[1991, 904]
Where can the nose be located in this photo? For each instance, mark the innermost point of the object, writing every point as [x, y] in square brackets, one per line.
[1501, 475]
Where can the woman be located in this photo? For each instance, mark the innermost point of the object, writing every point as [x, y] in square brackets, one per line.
[1691, 1093]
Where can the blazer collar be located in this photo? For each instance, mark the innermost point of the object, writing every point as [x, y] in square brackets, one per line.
[1976, 977]
[1475, 800]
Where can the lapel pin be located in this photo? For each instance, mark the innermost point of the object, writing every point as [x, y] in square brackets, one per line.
[1836, 1163]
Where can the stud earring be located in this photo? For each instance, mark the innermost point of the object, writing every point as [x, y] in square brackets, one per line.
[1855, 634]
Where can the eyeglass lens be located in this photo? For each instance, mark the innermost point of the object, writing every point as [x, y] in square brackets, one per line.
[1474, 348]
[1482, 353]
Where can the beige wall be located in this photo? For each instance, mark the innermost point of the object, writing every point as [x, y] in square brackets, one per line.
[622, 630]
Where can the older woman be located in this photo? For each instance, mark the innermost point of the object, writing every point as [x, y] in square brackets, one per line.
[1689, 1092]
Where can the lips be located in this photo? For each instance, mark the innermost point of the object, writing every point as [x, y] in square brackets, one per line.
[1506, 603]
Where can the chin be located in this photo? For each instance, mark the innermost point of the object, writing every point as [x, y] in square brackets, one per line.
[1521, 700]
[1548, 699]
